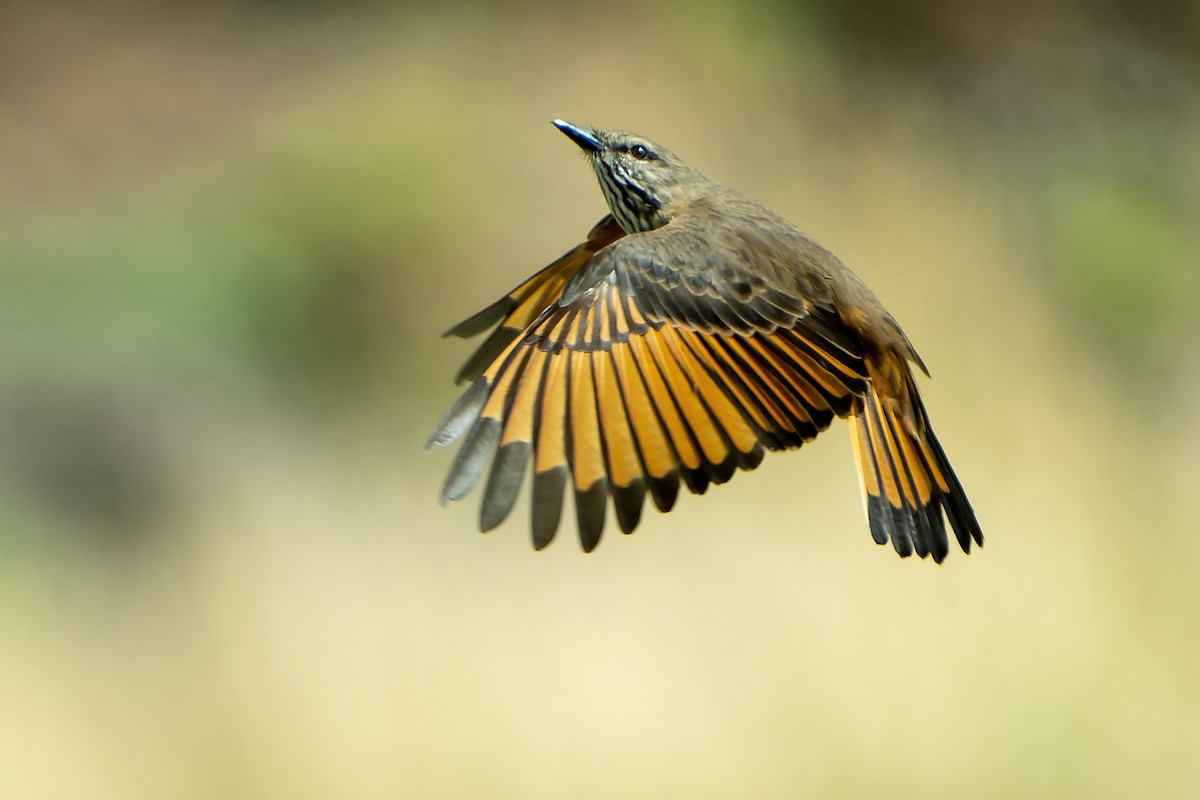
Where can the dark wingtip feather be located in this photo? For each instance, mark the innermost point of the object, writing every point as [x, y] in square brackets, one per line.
[953, 501]
[911, 530]
[939, 545]
[546, 509]
[903, 531]
[665, 491]
[918, 525]
[963, 521]
[957, 506]
[901, 540]
[696, 480]
[722, 472]
[888, 522]
[628, 502]
[876, 514]
[470, 460]
[504, 482]
[461, 416]
[480, 321]
[751, 460]
[589, 511]
[962, 516]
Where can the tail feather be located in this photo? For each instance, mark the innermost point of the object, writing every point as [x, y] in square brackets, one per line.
[906, 479]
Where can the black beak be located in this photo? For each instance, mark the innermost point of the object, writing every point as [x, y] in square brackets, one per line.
[584, 137]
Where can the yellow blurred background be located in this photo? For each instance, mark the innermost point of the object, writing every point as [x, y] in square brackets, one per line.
[230, 234]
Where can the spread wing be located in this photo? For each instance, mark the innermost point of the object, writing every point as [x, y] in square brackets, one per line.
[649, 368]
[517, 309]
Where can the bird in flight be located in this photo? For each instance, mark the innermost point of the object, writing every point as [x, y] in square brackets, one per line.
[689, 332]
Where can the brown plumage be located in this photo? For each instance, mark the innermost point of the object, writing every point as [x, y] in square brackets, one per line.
[691, 330]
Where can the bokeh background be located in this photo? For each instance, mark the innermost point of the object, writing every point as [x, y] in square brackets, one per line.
[230, 234]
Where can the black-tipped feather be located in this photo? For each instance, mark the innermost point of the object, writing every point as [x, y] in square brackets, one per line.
[504, 481]
[913, 526]
[480, 321]
[939, 545]
[589, 512]
[895, 520]
[664, 490]
[471, 459]
[900, 531]
[546, 509]
[958, 508]
[918, 523]
[877, 516]
[628, 502]
[461, 416]
[954, 502]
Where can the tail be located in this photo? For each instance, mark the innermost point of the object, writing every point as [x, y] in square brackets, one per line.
[907, 481]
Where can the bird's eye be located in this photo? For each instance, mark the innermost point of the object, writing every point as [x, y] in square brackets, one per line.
[639, 152]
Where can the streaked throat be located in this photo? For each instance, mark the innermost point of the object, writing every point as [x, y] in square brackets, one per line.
[632, 206]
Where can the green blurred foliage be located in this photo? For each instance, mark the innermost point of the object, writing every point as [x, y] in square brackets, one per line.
[1122, 254]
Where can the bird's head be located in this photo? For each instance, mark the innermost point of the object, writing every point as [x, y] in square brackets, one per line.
[641, 180]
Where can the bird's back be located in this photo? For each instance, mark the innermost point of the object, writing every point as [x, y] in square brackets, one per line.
[718, 231]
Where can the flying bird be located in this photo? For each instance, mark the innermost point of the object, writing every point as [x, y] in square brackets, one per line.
[690, 331]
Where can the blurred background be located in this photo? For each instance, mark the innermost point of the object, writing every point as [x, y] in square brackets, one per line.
[230, 234]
